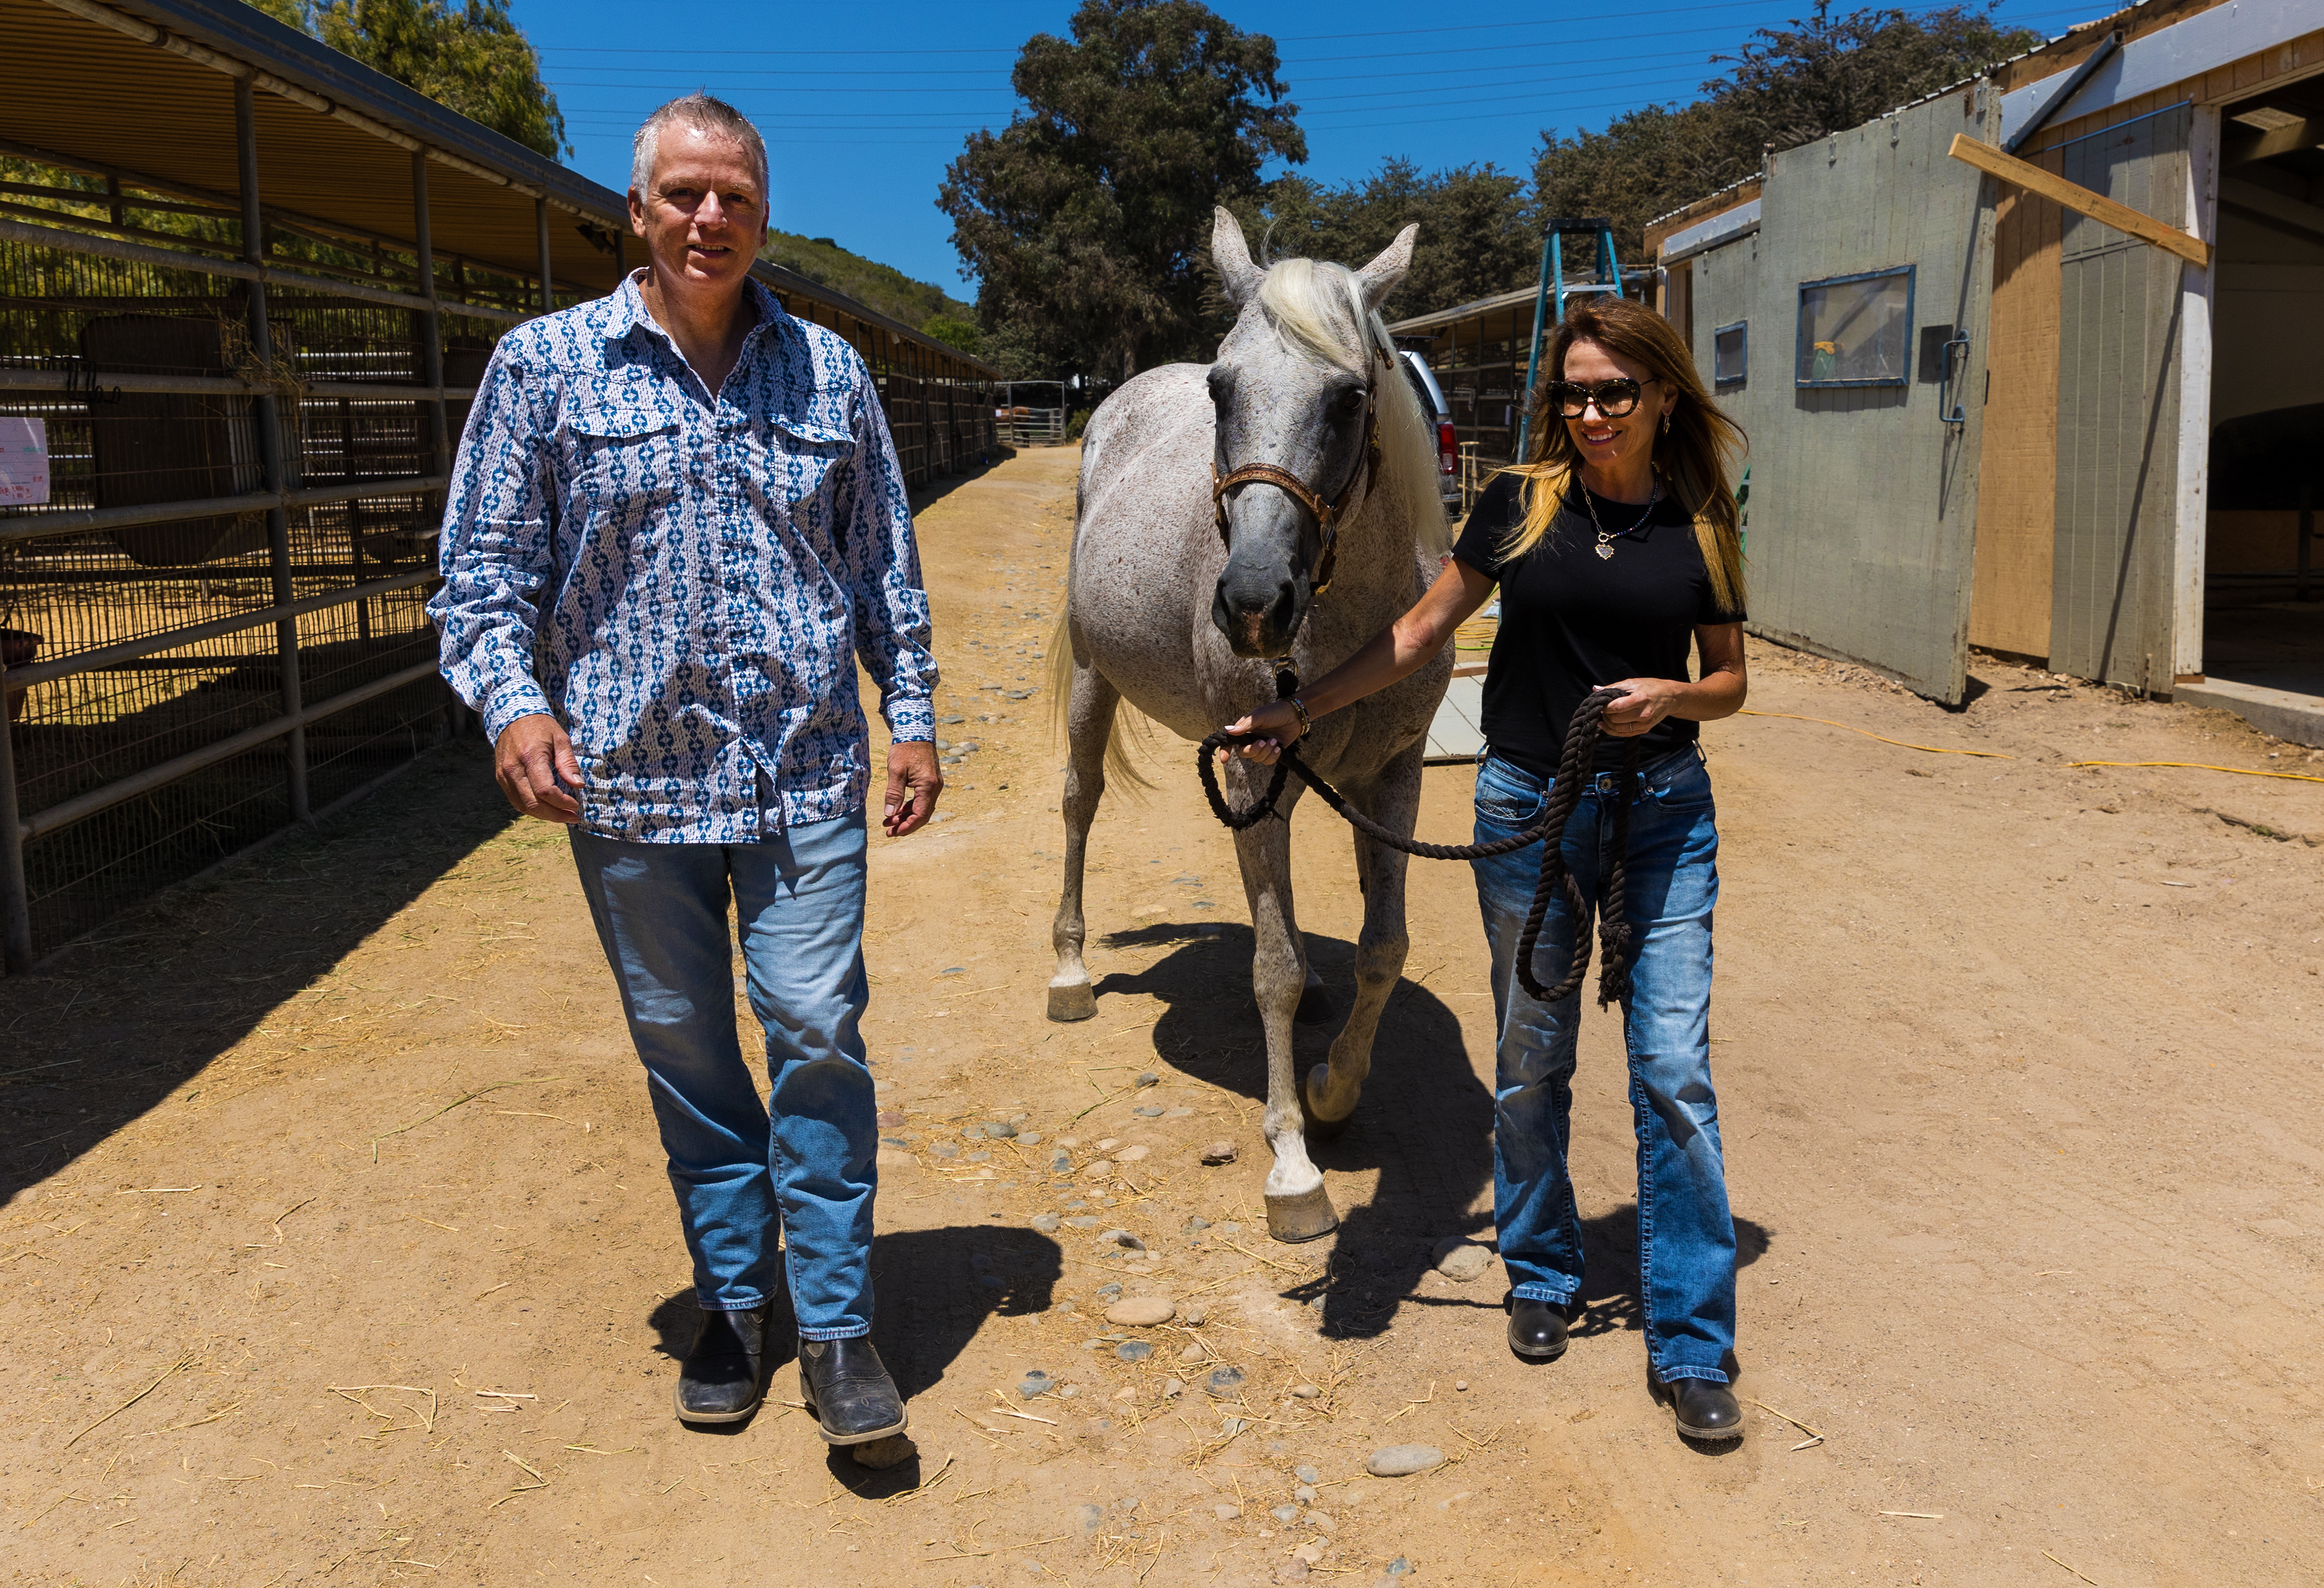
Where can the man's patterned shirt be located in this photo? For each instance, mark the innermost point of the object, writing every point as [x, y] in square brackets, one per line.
[682, 580]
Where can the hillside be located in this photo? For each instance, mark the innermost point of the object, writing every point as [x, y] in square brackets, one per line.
[868, 281]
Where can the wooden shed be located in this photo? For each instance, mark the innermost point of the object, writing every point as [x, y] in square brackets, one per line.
[2033, 364]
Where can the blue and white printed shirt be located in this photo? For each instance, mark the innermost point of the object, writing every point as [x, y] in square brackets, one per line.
[683, 580]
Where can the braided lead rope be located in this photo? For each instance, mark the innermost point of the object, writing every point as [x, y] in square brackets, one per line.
[1581, 749]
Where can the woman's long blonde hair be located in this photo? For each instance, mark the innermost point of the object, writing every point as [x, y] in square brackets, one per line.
[1695, 459]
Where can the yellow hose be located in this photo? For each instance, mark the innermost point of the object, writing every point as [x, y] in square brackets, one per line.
[2205, 766]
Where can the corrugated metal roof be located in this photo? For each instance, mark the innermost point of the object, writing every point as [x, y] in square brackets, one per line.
[83, 87]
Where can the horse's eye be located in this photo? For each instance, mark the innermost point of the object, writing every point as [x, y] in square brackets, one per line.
[1349, 404]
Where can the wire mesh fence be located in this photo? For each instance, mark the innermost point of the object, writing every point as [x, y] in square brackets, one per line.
[144, 640]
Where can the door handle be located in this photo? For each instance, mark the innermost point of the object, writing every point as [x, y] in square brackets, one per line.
[1950, 410]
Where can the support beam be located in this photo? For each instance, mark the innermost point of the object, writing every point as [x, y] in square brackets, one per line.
[266, 414]
[2288, 139]
[15, 897]
[2025, 174]
[431, 319]
[540, 224]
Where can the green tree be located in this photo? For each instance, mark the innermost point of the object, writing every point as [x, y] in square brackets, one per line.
[1785, 86]
[1474, 240]
[468, 56]
[1086, 218]
[954, 330]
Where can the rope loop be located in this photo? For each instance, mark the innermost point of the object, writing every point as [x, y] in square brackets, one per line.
[1617, 935]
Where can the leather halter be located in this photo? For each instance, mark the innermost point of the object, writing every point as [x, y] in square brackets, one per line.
[1327, 515]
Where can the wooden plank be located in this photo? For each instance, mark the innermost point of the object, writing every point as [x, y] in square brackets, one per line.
[2017, 488]
[2025, 174]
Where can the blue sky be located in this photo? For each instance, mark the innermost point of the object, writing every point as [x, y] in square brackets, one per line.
[863, 105]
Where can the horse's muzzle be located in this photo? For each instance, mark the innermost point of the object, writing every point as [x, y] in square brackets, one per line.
[1259, 618]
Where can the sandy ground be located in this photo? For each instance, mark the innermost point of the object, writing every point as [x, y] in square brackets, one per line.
[336, 1245]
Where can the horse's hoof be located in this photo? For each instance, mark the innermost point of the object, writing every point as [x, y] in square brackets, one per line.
[1301, 1216]
[1072, 1000]
[1320, 1129]
[1314, 1007]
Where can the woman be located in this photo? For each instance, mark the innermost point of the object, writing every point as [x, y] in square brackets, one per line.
[1614, 545]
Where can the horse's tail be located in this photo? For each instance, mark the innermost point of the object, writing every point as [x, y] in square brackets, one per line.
[1120, 771]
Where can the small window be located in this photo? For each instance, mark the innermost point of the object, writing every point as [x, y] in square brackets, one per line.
[1730, 356]
[1856, 330]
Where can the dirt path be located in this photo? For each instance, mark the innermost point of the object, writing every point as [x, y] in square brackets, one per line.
[338, 1249]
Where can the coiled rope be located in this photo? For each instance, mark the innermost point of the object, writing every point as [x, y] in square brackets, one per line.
[1616, 935]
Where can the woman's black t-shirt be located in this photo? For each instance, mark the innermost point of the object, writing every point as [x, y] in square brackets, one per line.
[1572, 621]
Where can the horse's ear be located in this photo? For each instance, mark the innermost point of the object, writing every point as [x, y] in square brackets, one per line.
[1239, 278]
[1380, 277]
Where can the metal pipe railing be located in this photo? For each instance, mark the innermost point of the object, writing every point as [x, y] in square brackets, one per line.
[79, 377]
[130, 650]
[83, 520]
[84, 805]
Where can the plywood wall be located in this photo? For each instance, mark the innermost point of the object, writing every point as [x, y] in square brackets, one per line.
[2016, 505]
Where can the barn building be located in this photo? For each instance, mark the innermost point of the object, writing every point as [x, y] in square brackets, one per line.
[2036, 365]
[246, 286]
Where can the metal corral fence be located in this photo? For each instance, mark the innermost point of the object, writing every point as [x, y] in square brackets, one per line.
[227, 420]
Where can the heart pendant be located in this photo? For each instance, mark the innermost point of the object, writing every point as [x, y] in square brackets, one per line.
[1605, 551]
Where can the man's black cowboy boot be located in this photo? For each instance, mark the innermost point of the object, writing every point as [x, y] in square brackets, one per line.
[848, 1391]
[1536, 1329]
[1706, 1410]
[722, 1380]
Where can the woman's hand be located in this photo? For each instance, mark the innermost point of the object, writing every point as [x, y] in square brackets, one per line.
[1275, 729]
[1645, 703]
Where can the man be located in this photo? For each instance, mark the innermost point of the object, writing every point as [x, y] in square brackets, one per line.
[676, 521]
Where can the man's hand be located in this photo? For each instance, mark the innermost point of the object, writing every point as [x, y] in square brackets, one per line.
[535, 763]
[914, 783]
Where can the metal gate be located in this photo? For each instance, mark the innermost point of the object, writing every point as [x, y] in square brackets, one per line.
[1865, 412]
[2118, 380]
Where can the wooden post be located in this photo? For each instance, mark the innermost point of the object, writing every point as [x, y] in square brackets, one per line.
[270, 447]
[15, 898]
[541, 227]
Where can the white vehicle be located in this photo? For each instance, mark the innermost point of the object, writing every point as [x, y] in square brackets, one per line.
[1440, 413]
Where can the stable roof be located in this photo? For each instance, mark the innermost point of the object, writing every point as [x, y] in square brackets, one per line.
[146, 88]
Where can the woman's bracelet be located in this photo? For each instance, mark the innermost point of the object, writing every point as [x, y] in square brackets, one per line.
[1305, 727]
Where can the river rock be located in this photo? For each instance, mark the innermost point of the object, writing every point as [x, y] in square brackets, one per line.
[1131, 1154]
[1460, 1259]
[1226, 1513]
[1142, 1312]
[1195, 1316]
[1100, 1169]
[1037, 1383]
[1306, 1392]
[999, 1130]
[1224, 1381]
[1134, 1350]
[1218, 1152]
[1047, 1223]
[1286, 1514]
[1401, 1461]
[880, 1454]
[1193, 1351]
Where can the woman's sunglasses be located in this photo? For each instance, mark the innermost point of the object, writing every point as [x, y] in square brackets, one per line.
[1615, 399]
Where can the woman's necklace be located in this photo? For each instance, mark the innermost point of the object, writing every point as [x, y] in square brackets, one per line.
[1607, 537]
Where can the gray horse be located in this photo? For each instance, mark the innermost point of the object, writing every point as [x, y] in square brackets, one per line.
[1186, 601]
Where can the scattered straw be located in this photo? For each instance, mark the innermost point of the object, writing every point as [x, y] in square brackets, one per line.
[538, 1482]
[1814, 1436]
[1926, 1516]
[531, 1080]
[174, 1368]
[2093, 1582]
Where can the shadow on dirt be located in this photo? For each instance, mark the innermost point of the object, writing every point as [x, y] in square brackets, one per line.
[1425, 1123]
[934, 1289]
[115, 1023]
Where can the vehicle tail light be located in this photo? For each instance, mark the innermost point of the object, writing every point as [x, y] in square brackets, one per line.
[1448, 449]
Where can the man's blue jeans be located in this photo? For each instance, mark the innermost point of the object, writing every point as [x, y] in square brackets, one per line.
[1687, 1239]
[660, 911]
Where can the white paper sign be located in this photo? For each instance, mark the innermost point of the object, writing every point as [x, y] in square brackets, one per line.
[23, 462]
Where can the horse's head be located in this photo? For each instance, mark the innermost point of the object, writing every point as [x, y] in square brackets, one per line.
[1297, 385]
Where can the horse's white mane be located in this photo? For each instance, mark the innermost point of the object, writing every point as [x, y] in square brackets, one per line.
[1318, 308]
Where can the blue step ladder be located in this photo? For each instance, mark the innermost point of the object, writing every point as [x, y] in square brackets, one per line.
[1555, 291]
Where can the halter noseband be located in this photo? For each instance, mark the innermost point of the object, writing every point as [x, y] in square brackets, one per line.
[1327, 515]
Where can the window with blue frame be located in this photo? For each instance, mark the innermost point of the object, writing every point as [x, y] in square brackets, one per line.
[1730, 356]
[1856, 330]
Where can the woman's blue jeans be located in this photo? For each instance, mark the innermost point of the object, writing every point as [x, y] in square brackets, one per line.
[660, 911]
[1687, 1238]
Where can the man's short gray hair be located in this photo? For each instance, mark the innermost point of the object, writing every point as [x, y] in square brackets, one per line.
[705, 114]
